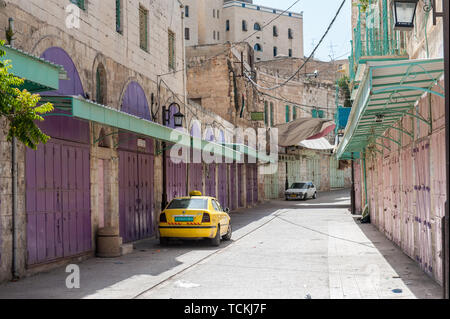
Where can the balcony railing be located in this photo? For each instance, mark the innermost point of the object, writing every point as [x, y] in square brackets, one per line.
[374, 35]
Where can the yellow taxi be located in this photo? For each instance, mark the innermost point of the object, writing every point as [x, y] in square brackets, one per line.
[195, 217]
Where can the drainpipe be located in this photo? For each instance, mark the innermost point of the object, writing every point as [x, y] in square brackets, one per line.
[14, 266]
[365, 179]
[184, 86]
[353, 187]
[445, 249]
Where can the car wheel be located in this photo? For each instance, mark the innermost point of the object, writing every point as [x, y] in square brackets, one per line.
[305, 197]
[216, 240]
[163, 241]
[315, 196]
[227, 236]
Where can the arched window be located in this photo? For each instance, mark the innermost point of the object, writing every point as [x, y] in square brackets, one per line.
[257, 47]
[275, 31]
[244, 25]
[257, 26]
[100, 85]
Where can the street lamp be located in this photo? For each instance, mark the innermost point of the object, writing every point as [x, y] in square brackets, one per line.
[177, 117]
[404, 14]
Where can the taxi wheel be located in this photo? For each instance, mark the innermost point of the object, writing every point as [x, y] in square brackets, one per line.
[163, 241]
[228, 234]
[305, 197]
[315, 196]
[216, 240]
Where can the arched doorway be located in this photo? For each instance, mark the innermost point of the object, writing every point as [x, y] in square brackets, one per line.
[58, 180]
[136, 173]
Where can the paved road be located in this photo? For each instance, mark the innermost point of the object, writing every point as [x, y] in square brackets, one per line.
[280, 249]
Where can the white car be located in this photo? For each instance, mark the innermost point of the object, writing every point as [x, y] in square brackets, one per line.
[301, 190]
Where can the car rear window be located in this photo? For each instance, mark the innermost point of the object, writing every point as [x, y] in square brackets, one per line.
[298, 185]
[188, 203]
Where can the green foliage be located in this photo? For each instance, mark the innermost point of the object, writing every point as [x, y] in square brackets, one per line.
[364, 4]
[20, 108]
[344, 86]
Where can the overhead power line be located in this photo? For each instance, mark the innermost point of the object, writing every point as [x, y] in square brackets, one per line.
[235, 44]
[306, 61]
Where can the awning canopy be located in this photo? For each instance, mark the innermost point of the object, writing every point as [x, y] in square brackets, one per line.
[388, 91]
[292, 133]
[317, 144]
[80, 108]
[40, 75]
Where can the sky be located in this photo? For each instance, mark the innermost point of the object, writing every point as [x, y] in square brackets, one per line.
[317, 15]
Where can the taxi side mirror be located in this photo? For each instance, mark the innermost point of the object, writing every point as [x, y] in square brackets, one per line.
[227, 210]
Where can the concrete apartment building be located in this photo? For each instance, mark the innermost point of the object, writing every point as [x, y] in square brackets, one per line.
[216, 21]
[108, 162]
[397, 128]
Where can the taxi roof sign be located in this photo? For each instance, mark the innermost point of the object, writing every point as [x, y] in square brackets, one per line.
[195, 193]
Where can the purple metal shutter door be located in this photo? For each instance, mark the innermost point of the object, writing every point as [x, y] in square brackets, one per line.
[249, 184]
[222, 184]
[195, 176]
[240, 186]
[233, 186]
[53, 230]
[255, 183]
[211, 180]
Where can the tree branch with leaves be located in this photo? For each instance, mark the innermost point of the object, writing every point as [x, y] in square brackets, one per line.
[20, 108]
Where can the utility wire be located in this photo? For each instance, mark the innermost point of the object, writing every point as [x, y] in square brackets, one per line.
[233, 44]
[307, 60]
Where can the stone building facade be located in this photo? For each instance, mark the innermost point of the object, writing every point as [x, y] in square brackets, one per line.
[128, 61]
[401, 172]
[216, 21]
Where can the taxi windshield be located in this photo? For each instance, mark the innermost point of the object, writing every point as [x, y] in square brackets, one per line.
[189, 203]
[298, 185]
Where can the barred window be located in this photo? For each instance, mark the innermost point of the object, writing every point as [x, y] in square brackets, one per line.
[79, 3]
[143, 28]
[171, 50]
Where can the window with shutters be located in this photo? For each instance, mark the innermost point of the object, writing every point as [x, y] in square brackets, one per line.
[275, 31]
[294, 113]
[271, 114]
[119, 16]
[290, 34]
[288, 114]
[187, 35]
[244, 25]
[143, 28]
[79, 3]
[266, 113]
[171, 50]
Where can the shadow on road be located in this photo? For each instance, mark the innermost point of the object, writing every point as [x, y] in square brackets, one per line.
[407, 269]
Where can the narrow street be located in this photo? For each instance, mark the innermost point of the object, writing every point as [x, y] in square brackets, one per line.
[303, 249]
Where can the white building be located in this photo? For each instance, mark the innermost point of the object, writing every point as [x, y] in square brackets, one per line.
[216, 21]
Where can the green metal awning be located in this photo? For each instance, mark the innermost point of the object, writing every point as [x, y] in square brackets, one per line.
[388, 91]
[40, 75]
[76, 107]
